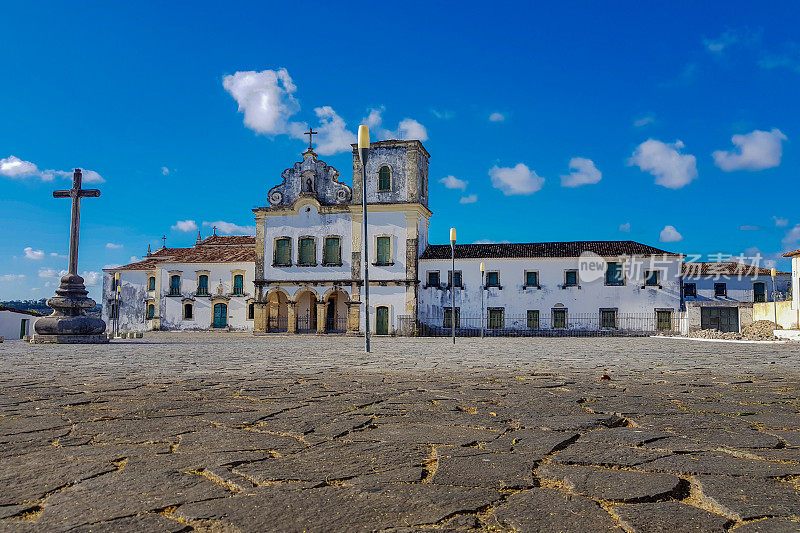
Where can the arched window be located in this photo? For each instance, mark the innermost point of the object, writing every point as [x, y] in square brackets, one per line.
[384, 179]
[238, 284]
[151, 310]
[175, 285]
[202, 285]
[151, 283]
[188, 311]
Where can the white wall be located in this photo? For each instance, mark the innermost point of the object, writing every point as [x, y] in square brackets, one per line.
[10, 322]
[308, 222]
[587, 299]
[738, 290]
[796, 282]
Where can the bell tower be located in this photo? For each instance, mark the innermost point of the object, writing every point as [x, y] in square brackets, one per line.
[397, 172]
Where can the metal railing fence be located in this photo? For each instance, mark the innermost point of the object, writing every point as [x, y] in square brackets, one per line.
[588, 325]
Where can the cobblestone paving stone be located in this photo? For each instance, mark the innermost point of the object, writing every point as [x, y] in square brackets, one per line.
[230, 432]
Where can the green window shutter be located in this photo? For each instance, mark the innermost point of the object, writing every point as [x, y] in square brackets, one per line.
[332, 253]
[151, 284]
[614, 274]
[571, 278]
[283, 256]
[238, 284]
[492, 279]
[559, 318]
[202, 284]
[175, 285]
[307, 252]
[531, 279]
[384, 179]
[533, 319]
[151, 311]
[384, 249]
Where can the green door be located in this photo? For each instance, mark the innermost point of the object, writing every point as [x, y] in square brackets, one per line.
[382, 321]
[23, 327]
[220, 315]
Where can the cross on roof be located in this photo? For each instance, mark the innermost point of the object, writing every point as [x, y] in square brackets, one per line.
[163, 241]
[76, 193]
[310, 132]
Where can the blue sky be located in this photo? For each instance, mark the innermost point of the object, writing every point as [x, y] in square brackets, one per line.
[157, 101]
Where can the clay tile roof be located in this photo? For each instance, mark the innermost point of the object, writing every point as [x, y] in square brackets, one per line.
[795, 253]
[229, 240]
[214, 249]
[725, 268]
[542, 249]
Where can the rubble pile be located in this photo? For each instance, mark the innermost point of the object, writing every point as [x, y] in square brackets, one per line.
[760, 330]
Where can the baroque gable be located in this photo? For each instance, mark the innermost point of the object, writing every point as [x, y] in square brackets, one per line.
[310, 178]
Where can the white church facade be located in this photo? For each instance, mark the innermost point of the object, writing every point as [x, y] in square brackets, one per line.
[303, 270]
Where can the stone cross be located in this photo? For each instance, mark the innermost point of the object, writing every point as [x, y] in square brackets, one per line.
[163, 241]
[76, 193]
[310, 132]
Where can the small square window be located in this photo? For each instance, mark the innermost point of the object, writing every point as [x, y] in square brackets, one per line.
[608, 318]
[531, 279]
[533, 319]
[614, 274]
[433, 278]
[496, 318]
[493, 279]
[571, 278]
[651, 278]
[720, 290]
[690, 290]
[448, 317]
[664, 320]
[457, 281]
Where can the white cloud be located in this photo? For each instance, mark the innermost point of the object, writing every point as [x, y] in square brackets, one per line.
[333, 135]
[452, 182]
[497, 117]
[164, 171]
[14, 167]
[780, 222]
[489, 241]
[12, 277]
[469, 199]
[51, 273]
[626, 227]
[30, 253]
[229, 228]
[718, 45]
[266, 98]
[671, 168]
[184, 225]
[644, 121]
[444, 115]
[748, 227]
[515, 180]
[792, 237]
[756, 150]
[134, 259]
[56, 254]
[112, 246]
[670, 234]
[583, 173]
[408, 128]
[111, 265]
[91, 279]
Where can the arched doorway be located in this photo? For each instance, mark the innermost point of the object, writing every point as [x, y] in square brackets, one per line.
[277, 310]
[220, 315]
[306, 311]
[336, 311]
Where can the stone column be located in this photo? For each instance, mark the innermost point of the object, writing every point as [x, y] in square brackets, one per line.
[260, 323]
[353, 317]
[291, 315]
[321, 307]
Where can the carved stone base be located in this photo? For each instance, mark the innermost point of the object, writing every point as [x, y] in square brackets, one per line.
[70, 339]
[69, 323]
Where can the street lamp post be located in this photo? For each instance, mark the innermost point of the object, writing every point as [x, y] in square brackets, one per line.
[483, 273]
[363, 154]
[774, 303]
[117, 294]
[453, 283]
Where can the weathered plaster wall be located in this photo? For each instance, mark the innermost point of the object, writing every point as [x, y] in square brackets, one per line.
[10, 323]
[739, 290]
[133, 296]
[796, 283]
[787, 316]
[313, 177]
[586, 299]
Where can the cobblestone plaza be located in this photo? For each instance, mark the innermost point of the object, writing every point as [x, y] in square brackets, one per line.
[230, 432]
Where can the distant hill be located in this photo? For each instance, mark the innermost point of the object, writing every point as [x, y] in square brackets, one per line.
[40, 306]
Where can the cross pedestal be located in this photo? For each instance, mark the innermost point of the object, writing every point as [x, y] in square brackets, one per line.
[69, 323]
